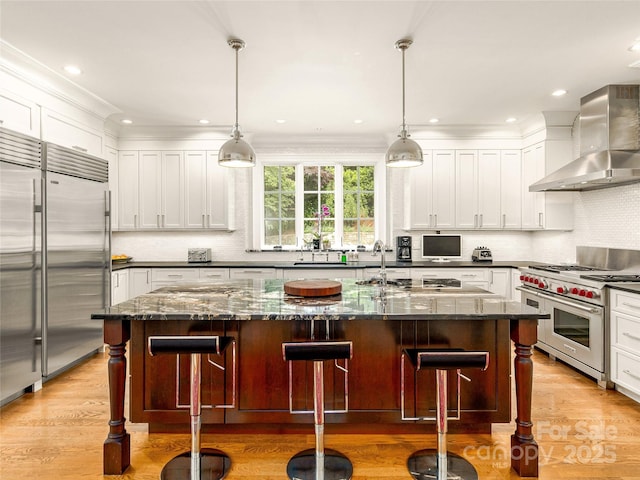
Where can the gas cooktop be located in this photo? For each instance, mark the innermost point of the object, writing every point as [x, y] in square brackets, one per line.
[613, 278]
[564, 268]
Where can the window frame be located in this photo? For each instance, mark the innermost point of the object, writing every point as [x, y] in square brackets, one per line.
[299, 161]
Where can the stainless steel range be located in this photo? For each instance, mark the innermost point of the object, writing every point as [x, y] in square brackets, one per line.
[576, 296]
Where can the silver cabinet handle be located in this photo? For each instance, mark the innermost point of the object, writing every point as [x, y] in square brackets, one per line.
[628, 372]
[135, 220]
[540, 219]
[630, 335]
[475, 221]
[175, 275]
[435, 220]
[504, 220]
[148, 271]
[481, 221]
[203, 224]
[158, 221]
[79, 148]
[163, 220]
[208, 220]
[430, 217]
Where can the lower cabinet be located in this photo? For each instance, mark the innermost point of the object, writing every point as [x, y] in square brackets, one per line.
[162, 277]
[471, 276]
[214, 274]
[119, 286]
[139, 281]
[500, 281]
[625, 342]
[240, 273]
[311, 273]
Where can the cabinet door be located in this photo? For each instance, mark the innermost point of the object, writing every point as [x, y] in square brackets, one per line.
[220, 191]
[127, 190]
[419, 195]
[19, 114]
[489, 188]
[500, 281]
[532, 202]
[172, 190]
[195, 167]
[444, 189]
[67, 132]
[149, 189]
[467, 215]
[139, 281]
[119, 286]
[511, 189]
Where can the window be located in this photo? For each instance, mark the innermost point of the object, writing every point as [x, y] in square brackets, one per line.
[333, 203]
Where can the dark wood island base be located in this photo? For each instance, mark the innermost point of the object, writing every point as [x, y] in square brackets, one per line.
[374, 386]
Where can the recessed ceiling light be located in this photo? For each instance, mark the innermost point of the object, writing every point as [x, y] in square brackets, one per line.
[511, 120]
[357, 121]
[72, 70]
[434, 120]
[559, 93]
[126, 121]
[635, 47]
[281, 121]
[203, 121]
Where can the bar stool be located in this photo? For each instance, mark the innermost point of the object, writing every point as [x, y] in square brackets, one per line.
[318, 463]
[438, 463]
[206, 463]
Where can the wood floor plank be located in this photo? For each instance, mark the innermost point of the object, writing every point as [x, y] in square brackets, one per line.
[583, 432]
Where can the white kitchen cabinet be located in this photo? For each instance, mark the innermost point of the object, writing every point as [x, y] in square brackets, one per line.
[161, 190]
[510, 189]
[214, 274]
[128, 190]
[68, 132]
[208, 192]
[119, 286]
[111, 156]
[430, 196]
[309, 273]
[500, 281]
[241, 273]
[478, 277]
[19, 114]
[162, 277]
[624, 322]
[515, 283]
[478, 189]
[392, 273]
[139, 281]
[545, 210]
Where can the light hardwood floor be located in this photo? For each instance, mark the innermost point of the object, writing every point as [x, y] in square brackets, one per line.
[583, 432]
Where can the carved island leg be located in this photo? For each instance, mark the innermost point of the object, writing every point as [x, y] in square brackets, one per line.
[117, 447]
[524, 449]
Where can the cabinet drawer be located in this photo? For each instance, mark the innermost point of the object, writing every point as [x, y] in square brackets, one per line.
[239, 273]
[625, 332]
[214, 273]
[464, 274]
[625, 370]
[392, 273]
[174, 274]
[625, 302]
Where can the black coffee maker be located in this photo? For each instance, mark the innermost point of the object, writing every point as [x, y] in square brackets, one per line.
[403, 248]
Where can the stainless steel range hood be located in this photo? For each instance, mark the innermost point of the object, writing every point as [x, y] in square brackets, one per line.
[609, 143]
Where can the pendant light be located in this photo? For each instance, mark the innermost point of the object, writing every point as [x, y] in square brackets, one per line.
[404, 152]
[236, 152]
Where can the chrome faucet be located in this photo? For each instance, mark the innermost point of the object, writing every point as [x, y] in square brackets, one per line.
[378, 246]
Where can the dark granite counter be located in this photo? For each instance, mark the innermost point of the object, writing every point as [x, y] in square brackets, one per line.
[259, 299]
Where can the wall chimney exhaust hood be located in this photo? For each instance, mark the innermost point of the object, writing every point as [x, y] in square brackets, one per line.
[609, 143]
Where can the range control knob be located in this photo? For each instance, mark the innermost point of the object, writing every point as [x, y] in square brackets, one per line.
[574, 291]
[536, 281]
[522, 277]
[542, 284]
[562, 289]
[592, 294]
[583, 293]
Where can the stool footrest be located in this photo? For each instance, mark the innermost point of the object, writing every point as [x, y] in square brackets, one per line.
[447, 359]
[187, 344]
[316, 351]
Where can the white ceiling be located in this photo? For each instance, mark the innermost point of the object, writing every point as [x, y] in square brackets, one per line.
[320, 65]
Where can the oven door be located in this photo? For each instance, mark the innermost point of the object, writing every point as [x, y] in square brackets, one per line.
[575, 329]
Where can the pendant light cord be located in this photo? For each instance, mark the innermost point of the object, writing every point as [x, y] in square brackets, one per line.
[236, 49]
[404, 122]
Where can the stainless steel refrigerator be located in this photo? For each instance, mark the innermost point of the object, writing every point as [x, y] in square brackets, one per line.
[77, 258]
[54, 259]
[20, 263]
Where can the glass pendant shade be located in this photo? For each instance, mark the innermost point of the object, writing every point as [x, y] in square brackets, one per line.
[404, 152]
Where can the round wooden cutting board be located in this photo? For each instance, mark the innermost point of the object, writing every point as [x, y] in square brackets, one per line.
[312, 288]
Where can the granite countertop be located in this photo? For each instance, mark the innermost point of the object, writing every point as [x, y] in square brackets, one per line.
[264, 299]
[374, 263]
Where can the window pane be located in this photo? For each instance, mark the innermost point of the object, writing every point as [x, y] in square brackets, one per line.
[288, 232]
[271, 205]
[271, 178]
[350, 205]
[310, 205]
[350, 232]
[311, 179]
[329, 200]
[366, 205]
[272, 232]
[350, 178]
[327, 178]
[288, 205]
[288, 179]
[366, 178]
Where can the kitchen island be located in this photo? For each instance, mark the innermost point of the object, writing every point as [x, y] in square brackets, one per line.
[380, 321]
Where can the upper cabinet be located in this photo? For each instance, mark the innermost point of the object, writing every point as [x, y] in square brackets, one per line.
[430, 198]
[545, 210]
[68, 132]
[19, 114]
[478, 189]
[173, 190]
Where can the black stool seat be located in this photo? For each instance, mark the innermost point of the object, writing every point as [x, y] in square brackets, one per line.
[316, 351]
[438, 463]
[198, 463]
[447, 358]
[188, 344]
[318, 463]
